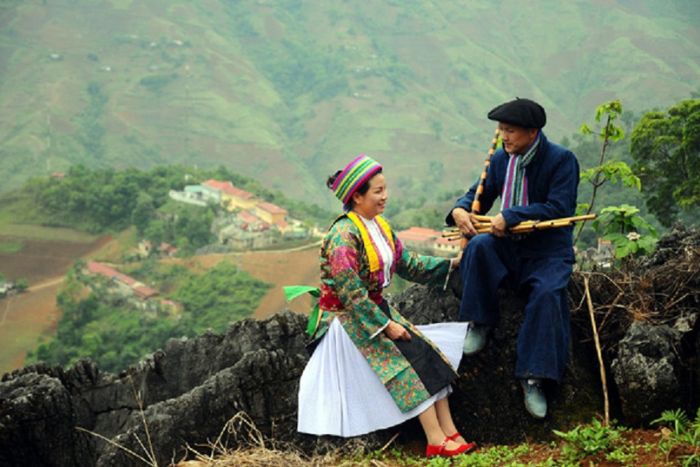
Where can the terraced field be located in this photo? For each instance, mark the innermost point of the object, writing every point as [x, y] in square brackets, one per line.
[43, 257]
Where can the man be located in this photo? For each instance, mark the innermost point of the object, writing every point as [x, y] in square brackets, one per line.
[536, 180]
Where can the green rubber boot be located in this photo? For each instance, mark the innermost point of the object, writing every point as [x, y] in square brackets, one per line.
[535, 400]
[476, 338]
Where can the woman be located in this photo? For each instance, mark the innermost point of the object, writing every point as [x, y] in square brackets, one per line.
[371, 368]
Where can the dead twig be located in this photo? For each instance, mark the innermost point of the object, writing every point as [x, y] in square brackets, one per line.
[599, 352]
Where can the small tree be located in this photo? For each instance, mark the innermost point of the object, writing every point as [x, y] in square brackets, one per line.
[614, 172]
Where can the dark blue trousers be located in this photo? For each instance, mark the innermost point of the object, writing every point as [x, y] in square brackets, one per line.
[490, 262]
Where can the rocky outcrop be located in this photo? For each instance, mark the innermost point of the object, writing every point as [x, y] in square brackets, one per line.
[188, 391]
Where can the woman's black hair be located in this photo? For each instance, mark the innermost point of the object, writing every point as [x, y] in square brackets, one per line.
[362, 190]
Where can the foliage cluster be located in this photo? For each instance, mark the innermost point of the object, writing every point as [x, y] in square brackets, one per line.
[594, 439]
[683, 432]
[108, 329]
[630, 234]
[495, 455]
[666, 151]
[185, 226]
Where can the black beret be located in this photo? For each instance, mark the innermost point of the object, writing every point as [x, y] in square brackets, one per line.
[520, 112]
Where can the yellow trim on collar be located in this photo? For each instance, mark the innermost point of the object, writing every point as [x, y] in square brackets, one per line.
[372, 255]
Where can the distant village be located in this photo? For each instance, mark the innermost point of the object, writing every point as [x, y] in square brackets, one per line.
[243, 223]
[246, 222]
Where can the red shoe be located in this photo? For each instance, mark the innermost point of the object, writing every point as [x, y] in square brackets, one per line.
[470, 445]
[433, 450]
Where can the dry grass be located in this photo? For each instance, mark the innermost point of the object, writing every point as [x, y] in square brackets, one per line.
[257, 451]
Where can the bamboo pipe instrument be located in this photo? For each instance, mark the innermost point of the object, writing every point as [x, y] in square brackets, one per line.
[453, 233]
[476, 203]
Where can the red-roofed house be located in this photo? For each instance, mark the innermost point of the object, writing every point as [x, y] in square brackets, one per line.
[419, 237]
[428, 240]
[271, 213]
[122, 281]
[252, 223]
[444, 245]
[167, 249]
[232, 197]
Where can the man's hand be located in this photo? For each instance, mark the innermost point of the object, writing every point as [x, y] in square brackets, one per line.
[498, 226]
[463, 220]
[395, 331]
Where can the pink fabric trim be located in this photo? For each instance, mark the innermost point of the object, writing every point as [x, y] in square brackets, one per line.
[509, 182]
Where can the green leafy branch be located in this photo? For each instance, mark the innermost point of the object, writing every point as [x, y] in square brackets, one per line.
[629, 233]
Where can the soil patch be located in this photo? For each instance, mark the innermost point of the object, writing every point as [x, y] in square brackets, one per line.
[26, 317]
[39, 260]
[278, 268]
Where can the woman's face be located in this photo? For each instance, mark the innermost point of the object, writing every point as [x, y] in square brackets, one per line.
[373, 201]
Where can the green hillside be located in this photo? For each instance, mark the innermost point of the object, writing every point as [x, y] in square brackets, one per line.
[286, 91]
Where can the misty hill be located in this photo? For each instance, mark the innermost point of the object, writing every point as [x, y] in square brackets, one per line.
[286, 91]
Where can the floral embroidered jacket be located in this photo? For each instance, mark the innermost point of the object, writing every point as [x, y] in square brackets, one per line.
[350, 292]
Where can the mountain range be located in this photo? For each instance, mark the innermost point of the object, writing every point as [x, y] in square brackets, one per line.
[287, 91]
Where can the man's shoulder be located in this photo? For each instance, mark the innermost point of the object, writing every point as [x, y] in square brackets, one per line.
[557, 150]
[500, 156]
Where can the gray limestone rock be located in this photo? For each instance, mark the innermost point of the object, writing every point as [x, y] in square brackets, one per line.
[648, 371]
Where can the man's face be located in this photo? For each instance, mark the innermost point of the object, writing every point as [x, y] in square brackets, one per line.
[516, 139]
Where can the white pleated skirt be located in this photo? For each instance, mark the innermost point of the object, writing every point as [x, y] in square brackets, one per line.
[340, 395]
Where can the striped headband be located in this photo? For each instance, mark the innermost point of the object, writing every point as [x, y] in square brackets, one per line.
[354, 176]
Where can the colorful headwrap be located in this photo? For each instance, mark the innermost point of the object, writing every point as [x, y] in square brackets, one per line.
[354, 176]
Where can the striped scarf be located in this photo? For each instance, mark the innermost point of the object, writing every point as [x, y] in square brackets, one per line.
[515, 188]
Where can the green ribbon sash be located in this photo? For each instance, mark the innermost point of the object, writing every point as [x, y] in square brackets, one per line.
[293, 291]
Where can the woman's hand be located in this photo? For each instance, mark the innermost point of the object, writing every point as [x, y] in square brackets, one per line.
[454, 262]
[395, 331]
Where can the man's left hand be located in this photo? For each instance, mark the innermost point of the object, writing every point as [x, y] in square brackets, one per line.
[498, 226]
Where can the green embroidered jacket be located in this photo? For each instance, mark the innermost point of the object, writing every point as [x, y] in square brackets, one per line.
[350, 292]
